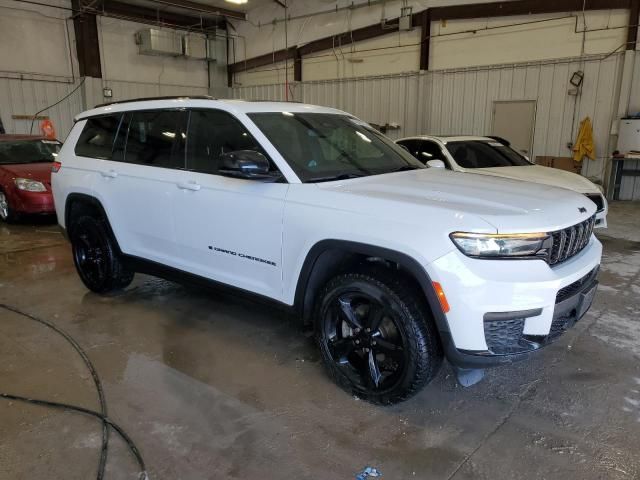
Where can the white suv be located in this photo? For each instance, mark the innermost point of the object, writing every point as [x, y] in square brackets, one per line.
[394, 264]
[494, 156]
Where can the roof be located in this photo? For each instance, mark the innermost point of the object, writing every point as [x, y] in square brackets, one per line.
[451, 138]
[233, 106]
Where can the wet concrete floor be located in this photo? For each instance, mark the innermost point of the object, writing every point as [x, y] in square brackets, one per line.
[214, 387]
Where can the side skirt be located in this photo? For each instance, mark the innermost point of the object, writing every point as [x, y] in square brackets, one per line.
[149, 267]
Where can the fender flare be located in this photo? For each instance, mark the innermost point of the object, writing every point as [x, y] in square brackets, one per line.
[94, 203]
[411, 265]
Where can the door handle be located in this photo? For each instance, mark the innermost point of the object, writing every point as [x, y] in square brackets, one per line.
[193, 186]
[109, 174]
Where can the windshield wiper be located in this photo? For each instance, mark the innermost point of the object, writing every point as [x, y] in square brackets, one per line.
[341, 176]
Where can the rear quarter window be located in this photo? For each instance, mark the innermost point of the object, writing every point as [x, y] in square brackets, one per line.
[97, 137]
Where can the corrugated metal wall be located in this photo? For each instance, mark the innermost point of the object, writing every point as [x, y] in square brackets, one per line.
[126, 90]
[27, 96]
[22, 96]
[461, 100]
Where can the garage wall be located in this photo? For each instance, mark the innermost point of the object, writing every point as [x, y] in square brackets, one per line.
[453, 43]
[456, 101]
[634, 101]
[38, 67]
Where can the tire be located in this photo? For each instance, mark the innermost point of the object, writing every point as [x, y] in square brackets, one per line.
[96, 257]
[6, 212]
[399, 354]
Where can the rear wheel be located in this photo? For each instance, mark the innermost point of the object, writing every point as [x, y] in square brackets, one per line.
[376, 337]
[96, 258]
[6, 212]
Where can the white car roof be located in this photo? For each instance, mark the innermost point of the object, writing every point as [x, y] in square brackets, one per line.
[233, 106]
[449, 138]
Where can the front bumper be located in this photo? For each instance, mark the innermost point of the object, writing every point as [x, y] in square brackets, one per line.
[502, 310]
[34, 202]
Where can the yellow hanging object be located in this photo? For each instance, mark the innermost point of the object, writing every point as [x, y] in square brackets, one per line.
[584, 145]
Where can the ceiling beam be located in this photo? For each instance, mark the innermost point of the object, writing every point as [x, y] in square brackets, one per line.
[203, 8]
[521, 7]
[632, 31]
[85, 28]
[155, 17]
[424, 19]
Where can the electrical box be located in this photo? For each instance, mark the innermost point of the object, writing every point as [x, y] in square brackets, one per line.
[195, 46]
[404, 22]
[152, 41]
[629, 135]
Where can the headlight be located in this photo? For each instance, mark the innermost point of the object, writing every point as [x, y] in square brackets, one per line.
[496, 245]
[30, 185]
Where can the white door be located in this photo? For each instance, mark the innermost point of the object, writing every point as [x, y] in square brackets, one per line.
[228, 229]
[514, 120]
[138, 185]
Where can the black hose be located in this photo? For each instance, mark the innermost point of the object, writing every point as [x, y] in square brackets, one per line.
[33, 119]
[102, 415]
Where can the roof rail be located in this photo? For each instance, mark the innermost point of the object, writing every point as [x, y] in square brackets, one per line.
[144, 99]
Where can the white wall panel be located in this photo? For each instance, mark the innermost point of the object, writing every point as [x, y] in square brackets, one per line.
[26, 97]
[460, 101]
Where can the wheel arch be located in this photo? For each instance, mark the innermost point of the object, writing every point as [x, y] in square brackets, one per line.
[82, 203]
[330, 257]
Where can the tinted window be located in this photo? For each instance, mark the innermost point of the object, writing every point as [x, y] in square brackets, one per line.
[425, 150]
[323, 146]
[481, 154]
[96, 139]
[156, 138]
[28, 151]
[212, 133]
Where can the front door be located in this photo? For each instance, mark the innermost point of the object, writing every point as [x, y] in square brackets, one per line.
[228, 229]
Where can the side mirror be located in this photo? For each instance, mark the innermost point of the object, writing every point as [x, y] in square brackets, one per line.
[245, 164]
[436, 164]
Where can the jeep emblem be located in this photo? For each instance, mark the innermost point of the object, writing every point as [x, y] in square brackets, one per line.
[582, 210]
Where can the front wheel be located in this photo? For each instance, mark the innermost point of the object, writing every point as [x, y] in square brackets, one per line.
[96, 258]
[6, 212]
[376, 337]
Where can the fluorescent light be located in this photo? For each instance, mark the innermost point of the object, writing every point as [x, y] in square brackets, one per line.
[237, 2]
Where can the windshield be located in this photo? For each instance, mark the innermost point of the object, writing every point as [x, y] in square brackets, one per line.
[324, 146]
[485, 154]
[28, 151]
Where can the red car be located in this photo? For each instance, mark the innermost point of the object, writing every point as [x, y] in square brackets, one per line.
[25, 175]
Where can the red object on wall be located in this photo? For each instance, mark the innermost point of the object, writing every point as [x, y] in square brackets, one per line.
[46, 127]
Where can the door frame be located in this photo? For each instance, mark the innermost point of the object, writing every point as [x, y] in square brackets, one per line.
[533, 123]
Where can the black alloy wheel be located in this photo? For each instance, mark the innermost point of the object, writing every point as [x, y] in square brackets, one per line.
[96, 258]
[376, 340]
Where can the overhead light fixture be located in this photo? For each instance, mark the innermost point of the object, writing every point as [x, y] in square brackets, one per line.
[237, 2]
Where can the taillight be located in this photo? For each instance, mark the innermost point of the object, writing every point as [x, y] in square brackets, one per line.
[55, 167]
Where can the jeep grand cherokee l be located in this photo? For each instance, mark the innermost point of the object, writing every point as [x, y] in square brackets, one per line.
[394, 264]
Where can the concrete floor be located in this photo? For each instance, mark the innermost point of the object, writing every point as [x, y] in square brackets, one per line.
[211, 387]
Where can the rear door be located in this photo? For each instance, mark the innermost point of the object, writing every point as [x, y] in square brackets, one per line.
[228, 229]
[137, 185]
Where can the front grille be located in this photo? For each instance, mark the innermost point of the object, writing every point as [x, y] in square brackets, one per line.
[503, 336]
[574, 287]
[570, 241]
[597, 199]
[560, 324]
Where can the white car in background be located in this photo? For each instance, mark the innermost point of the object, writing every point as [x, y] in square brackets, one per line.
[492, 156]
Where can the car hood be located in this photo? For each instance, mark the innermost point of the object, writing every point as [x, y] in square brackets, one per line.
[36, 171]
[544, 175]
[509, 206]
